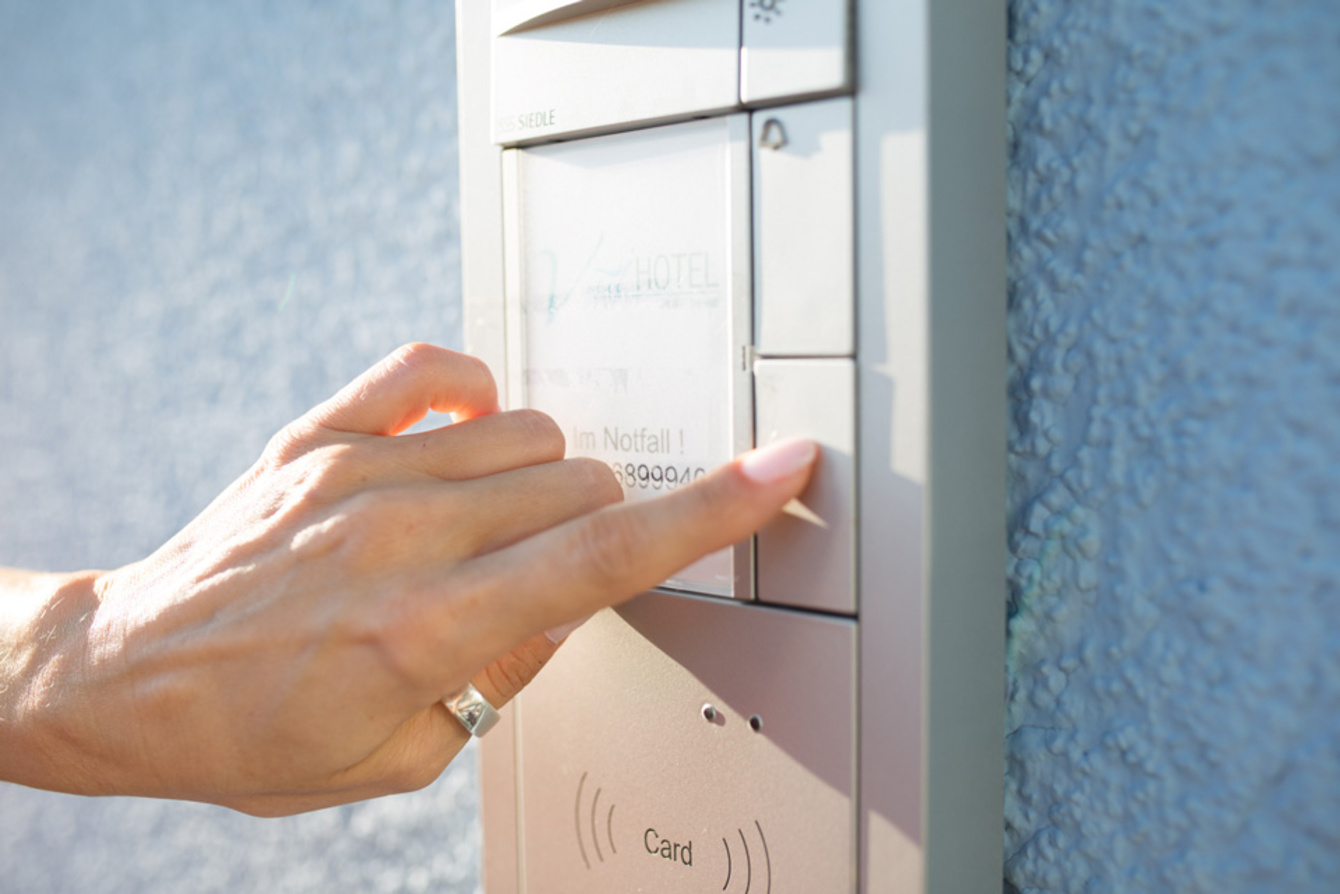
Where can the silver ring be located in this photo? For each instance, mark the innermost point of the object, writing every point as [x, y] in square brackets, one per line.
[472, 710]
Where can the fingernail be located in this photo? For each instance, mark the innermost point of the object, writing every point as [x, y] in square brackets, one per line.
[775, 462]
[560, 633]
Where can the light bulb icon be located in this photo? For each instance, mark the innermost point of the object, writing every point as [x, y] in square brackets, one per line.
[766, 10]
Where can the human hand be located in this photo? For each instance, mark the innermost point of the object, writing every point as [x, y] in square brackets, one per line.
[288, 650]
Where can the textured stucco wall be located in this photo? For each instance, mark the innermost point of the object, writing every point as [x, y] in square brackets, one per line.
[1174, 702]
[167, 168]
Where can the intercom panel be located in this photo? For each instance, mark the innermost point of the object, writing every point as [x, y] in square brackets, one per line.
[693, 227]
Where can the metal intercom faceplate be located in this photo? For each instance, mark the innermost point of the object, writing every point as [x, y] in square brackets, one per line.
[690, 227]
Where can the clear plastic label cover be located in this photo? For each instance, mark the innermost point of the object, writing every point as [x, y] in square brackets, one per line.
[626, 306]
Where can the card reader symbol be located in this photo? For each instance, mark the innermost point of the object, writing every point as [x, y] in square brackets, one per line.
[766, 10]
[751, 876]
[593, 820]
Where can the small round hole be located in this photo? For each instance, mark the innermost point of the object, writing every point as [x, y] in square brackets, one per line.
[709, 713]
[756, 723]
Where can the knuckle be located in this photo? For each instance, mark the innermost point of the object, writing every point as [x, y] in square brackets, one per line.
[324, 474]
[302, 441]
[402, 657]
[607, 547]
[511, 673]
[539, 428]
[396, 638]
[288, 444]
[476, 366]
[373, 526]
[422, 359]
[346, 538]
[326, 537]
[472, 366]
[414, 353]
[317, 492]
[598, 480]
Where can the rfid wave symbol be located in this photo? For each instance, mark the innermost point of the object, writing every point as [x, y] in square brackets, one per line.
[580, 819]
[745, 867]
[764, 873]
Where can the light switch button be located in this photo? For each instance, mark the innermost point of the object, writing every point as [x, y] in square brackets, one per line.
[803, 230]
[794, 48]
[799, 562]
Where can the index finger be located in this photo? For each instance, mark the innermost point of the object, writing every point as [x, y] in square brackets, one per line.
[604, 558]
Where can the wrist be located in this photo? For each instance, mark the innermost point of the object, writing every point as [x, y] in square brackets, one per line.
[44, 623]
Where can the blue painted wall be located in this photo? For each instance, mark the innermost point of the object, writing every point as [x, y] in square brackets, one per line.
[1174, 688]
[168, 169]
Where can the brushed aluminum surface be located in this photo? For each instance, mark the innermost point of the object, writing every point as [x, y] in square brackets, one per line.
[627, 786]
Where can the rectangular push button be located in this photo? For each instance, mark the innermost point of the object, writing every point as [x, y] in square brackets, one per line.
[794, 48]
[803, 230]
[800, 563]
[616, 66]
